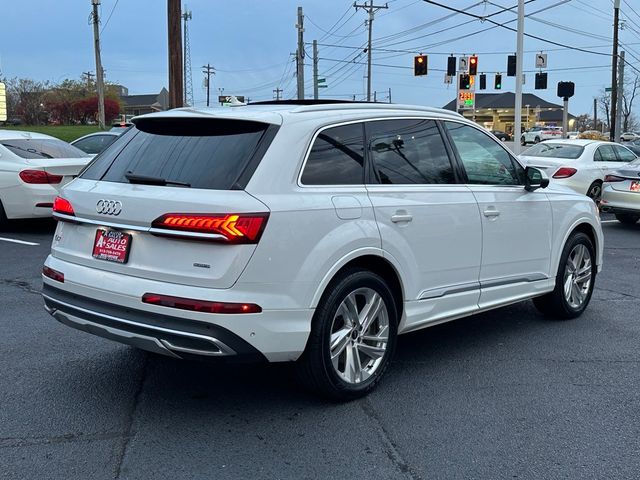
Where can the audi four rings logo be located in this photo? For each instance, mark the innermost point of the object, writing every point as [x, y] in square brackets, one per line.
[109, 207]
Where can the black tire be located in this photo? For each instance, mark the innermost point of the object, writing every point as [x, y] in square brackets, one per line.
[595, 191]
[523, 142]
[3, 218]
[555, 304]
[315, 369]
[536, 140]
[627, 218]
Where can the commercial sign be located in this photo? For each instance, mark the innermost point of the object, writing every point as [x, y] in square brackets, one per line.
[3, 102]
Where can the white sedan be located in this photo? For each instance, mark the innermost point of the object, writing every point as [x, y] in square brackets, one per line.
[33, 167]
[578, 164]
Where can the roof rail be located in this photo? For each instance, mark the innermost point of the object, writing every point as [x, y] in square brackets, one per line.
[371, 106]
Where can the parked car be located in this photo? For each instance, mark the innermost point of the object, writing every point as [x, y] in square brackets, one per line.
[33, 167]
[313, 233]
[629, 136]
[120, 127]
[634, 146]
[538, 134]
[502, 136]
[95, 143]
[621, 193]
[572, 135]
[578, 164]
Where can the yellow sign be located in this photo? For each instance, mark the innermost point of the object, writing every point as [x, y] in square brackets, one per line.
[3, 102]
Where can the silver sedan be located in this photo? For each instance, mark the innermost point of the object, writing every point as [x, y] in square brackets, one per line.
[621, 193]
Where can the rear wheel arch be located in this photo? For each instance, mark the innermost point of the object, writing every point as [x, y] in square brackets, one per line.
[589, 231]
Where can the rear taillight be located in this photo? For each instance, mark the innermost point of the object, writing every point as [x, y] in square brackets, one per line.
[53, 274]
[564, 172]
[235, 228]
[200, 305]
[39, 176]
[63, 206]
[613, 178]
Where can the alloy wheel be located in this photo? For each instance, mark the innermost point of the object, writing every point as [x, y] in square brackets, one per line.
[577, 276]
[359, 335]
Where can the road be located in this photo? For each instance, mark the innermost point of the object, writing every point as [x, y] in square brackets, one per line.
[505, 394]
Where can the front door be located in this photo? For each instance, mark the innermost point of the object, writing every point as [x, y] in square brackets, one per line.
[516, 224]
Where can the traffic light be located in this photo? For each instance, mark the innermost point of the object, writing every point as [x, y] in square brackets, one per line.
[498, 82]
[483, 81]
[566, 89]
[541, 81]
[473, 65]
[511, 66]
[465, 81]
[420, 65]
[451, 66]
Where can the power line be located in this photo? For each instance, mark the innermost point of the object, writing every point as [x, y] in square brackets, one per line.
[109, 17]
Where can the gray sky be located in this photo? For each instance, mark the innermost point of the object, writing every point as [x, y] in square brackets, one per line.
[249, 43]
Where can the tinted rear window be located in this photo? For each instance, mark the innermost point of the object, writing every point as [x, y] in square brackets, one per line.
[210, 154]
[42, 148]
[554, 150]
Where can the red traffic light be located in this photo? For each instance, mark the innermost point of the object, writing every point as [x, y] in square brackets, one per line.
[473, 65]
[420, 65]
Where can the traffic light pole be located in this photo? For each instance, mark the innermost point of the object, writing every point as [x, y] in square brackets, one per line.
[517, 127]
[565, 117]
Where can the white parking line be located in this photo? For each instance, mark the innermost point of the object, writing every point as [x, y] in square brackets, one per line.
[21, 242]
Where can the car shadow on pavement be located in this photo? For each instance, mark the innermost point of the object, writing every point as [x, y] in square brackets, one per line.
[37, 226]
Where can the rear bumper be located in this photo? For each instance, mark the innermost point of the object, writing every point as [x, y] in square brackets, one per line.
[617, 201]
[110, 305]
[20, 201]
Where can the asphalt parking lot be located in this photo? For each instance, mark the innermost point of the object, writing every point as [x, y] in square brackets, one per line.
[505, 394]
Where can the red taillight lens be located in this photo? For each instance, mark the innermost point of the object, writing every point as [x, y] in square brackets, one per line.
[53, 274]
[613, 178]
[61, 205]
[564, 172]
[200, 305]
[39, 176]
[236, 228]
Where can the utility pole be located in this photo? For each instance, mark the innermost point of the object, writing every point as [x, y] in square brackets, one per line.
[595, 114]
[315, 69]
[618, 124]
[372, 9]
[517, 127]
[186, 67]
[208, 71]
[88, 75]
[300, 55]
[176, 88]
[389, 94]
[614, 72]
[277, 91]
[99, 71]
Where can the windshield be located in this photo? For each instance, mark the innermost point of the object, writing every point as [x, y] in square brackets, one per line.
[555, 150]
[42, 148]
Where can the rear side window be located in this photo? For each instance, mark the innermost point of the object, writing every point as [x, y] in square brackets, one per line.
[95, 144]
[42, 148]
[209, 154]
[624, 155]
[408, 152]
[336, 157]
[605, 153]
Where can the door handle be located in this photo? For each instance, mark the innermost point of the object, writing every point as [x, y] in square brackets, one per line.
[491, 212]
[397, 218]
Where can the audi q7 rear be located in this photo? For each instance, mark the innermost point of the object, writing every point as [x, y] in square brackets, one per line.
[264, 233]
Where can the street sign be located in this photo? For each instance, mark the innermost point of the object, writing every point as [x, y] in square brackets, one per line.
[3, 102]
[322, 80]
[608, 89]
[541, 60]
[323, 86]
[463, 64]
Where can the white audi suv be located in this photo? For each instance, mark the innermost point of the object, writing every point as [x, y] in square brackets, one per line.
[313, 233]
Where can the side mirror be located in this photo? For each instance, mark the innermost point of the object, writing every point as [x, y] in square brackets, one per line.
[534, 179]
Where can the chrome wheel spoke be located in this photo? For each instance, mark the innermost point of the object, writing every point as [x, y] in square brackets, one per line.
[371, 351]
[567, 287]
[339, 340]
[370, 311]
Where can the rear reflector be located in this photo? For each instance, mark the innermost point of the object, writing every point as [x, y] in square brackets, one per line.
[44, 205]
[613, 178]
[564, 172]
[61, 205]
[200, 305]
[53, 274]
[39, 177]
[236, 228]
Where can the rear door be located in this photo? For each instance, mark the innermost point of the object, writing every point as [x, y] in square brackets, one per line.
[428, 221]
[174, 192]
[516, 224]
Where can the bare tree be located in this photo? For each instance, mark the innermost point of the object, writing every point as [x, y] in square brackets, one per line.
[27, 99]
[630, 91]
[604, 101]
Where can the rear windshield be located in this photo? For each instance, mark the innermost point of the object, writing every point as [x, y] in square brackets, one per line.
[554, 150]
[210, 154]
[42, 148]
